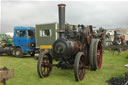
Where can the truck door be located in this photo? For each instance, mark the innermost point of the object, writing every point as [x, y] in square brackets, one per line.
[21, 39]
[31, 38]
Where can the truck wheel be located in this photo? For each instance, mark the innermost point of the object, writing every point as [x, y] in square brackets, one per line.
[91, 53]
[32, 54]
[79, 66]
[44, 65]
[19, 53]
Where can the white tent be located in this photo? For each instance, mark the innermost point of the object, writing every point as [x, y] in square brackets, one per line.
[9, 34]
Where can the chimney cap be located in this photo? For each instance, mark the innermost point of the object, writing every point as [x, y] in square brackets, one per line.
[61, 5]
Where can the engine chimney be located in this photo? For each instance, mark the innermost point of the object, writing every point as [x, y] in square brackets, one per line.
[61, 8]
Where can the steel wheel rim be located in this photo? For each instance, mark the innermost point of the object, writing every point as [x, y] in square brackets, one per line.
[18, 52]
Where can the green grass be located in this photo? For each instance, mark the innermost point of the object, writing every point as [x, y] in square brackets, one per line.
[26, 71]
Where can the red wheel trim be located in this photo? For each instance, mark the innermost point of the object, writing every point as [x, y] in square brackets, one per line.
[82, 68]
[99, 56]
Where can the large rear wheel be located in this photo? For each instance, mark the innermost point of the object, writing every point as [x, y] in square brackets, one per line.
[44, 65]
[97, 54]
[79, 66]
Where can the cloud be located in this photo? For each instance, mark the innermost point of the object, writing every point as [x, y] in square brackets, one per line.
[107, 14]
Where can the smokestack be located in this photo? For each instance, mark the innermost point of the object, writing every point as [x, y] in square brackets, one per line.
[61, 8]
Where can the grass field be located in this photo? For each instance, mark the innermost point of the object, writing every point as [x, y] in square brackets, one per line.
[26, 72]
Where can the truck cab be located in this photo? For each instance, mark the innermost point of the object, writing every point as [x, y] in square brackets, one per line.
[24, 41]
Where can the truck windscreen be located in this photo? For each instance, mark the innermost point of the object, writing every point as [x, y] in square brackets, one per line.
[30, 33]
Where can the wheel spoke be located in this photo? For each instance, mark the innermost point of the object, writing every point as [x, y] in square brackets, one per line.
[82, 74]
[81, 68]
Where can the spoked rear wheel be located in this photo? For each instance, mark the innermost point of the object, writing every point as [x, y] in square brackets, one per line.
[79, 66]
[95, 54]
[98, 54]
[44, 66]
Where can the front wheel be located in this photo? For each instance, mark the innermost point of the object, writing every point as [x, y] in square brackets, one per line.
[79, 66]
[44, 65]
[18, 53]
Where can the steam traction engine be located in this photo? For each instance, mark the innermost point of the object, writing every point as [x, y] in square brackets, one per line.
[75, 48]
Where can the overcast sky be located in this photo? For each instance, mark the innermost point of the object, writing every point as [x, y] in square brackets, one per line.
[107, 14]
